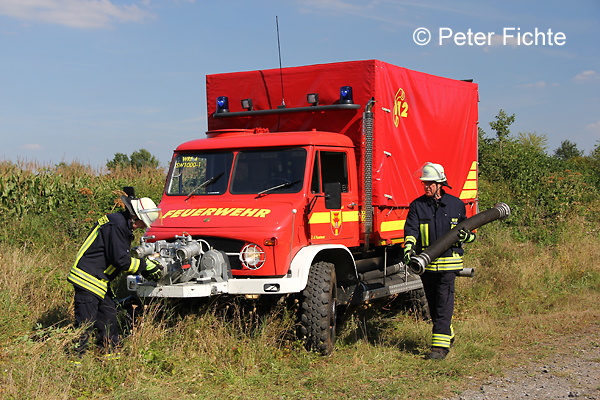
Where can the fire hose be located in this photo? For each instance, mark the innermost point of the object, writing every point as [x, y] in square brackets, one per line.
[418, 263]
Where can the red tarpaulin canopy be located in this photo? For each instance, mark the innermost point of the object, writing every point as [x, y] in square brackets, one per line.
[417, 118]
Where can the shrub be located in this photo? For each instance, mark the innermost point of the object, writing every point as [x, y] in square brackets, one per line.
[542, 190]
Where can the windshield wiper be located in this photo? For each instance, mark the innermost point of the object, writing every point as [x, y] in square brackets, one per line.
[205, 184]
[282, 186]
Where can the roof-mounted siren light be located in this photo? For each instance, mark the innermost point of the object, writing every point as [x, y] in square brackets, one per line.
[313, 99]
[247, 104]
[222, 104]
[346, 95]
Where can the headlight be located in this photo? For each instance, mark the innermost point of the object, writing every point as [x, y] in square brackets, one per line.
[252, 256]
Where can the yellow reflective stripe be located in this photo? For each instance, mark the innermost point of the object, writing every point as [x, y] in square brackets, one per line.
[455, 259]
[82, 278]
[88, 242]
[470, 185]
[469, 190]
[101, 283]
[387, 226]
[411, 239]
[350, 216]
[435, 268]
[468, 194]
[452, 263]
[85, 280]
[325, 217]
[134, 266]
[443, 267]
[86, 285]
[320, 218]
[440, 340]
[424, 230]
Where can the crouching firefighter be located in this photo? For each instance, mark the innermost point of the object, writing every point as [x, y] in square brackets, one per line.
[101, 258]
[429, 218]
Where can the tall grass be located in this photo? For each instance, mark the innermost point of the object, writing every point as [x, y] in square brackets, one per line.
[516, 278]
[523, 291]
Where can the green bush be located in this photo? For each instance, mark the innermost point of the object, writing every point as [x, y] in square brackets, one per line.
[543, 191]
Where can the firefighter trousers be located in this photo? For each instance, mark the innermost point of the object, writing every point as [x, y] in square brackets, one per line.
[439, 290]
[98, 314]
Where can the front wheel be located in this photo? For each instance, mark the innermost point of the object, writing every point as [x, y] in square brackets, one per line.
[318, 309]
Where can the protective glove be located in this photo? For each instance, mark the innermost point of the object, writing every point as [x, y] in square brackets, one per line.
[153, 271]
[466, 236]
[408, 253]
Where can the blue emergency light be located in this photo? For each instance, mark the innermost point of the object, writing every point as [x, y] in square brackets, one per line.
[346, 95]
[222, 104]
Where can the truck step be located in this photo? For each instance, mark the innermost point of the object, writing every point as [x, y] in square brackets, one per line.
[393, 284]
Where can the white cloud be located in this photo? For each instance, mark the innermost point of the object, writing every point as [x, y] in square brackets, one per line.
[500, 40]
[539, 85]
[587, 76]
[31, 147]
[593, 127]
[84, 14]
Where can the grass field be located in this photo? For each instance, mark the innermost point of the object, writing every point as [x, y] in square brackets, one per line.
[522, 293]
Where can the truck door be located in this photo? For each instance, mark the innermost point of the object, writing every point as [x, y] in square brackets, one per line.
[333, 225]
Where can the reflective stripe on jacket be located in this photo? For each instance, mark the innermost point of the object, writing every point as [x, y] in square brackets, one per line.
[428, 220]
[104, 254]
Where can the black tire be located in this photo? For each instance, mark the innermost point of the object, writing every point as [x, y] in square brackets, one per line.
[318, 309]
[418, 304]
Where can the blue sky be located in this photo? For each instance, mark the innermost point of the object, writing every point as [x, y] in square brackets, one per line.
[85, 79]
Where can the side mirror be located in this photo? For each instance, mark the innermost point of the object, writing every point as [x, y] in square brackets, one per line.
[333, 196]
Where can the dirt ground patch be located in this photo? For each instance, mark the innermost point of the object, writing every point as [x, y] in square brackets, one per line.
[571, 369]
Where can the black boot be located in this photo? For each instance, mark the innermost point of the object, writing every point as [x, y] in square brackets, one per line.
[438, 353]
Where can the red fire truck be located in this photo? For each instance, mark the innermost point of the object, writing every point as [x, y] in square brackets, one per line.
[302, 185]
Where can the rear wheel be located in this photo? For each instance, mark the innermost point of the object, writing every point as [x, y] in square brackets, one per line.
[318, 309]
[417, 302]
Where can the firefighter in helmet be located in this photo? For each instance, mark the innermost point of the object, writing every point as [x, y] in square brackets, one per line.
[103, 255]
[429, 218]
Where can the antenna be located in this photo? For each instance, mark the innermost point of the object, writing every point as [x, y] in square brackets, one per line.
[280, 70]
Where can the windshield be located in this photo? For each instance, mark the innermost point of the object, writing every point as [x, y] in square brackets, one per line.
[273, 171]
[199, 174]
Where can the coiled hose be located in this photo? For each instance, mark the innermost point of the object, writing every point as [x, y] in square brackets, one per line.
[418, 263]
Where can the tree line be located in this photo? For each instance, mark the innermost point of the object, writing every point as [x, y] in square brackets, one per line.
[544, 189]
